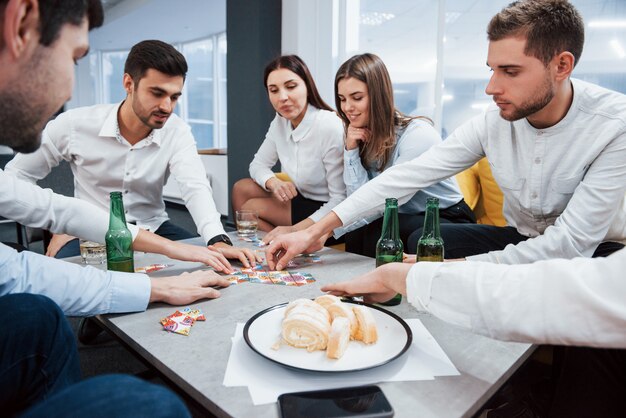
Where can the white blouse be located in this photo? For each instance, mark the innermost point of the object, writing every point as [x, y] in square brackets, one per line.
[311, 154]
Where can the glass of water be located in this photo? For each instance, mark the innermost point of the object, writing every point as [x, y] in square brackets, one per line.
[93, 252]
[247, 223]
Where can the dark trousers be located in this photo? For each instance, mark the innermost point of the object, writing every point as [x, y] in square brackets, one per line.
[40, 372]
[363, 240]
[166, 230]
[591, 382]
[464, 240]
[302, 208]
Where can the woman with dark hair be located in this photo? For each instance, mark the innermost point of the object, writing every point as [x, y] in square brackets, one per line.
[306, 136]
[379, 136]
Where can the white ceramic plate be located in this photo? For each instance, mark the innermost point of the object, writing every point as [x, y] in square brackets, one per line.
[262, 331]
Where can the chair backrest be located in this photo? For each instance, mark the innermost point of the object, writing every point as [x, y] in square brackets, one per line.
[482, 194]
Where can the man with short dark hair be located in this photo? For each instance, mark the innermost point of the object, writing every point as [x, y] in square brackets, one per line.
[134, 146]
[555, 145]
[39, 368]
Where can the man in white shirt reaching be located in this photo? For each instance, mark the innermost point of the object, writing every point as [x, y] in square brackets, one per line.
[556, 147]
[133, 147]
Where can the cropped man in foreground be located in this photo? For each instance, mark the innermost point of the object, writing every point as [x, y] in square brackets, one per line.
[39, 369]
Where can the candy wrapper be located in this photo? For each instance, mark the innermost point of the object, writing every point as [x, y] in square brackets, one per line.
[196, 314]
[178, 322]
[152, 267]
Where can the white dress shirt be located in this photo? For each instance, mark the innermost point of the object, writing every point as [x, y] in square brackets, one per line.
[311, 154]
[33, 206]
[563, 186]
[103, 161]
[563, 302]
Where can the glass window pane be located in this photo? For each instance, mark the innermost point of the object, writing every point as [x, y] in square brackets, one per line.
[403, 34]
[199, 83]
[203, 133]
[221, 61]
[112, 75]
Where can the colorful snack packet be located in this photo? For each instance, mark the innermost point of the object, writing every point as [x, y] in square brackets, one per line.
[178, 322]
[152, 267]
[196, 314]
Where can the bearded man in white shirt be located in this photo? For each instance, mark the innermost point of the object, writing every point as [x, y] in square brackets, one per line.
[133, 147]
[556, 147]
[579, 302]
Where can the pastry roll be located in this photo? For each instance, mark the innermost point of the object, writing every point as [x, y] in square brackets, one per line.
[326, 300]
[304, 327]
[340, 309]
[307, 302]
[339, 338]
[366, 330]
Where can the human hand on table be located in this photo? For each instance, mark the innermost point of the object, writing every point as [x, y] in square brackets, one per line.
[276, 232]
[186, 288]
[56, 243]
[283, 191]
[285, 247]
[187, 252]
[247, 257]
[379, 285]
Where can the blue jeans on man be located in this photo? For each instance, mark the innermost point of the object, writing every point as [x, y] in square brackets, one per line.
[40, 371]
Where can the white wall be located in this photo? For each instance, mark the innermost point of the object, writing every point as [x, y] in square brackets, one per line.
[307, 31]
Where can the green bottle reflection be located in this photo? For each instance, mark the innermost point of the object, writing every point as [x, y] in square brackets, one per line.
[389, 247]
[118, 239]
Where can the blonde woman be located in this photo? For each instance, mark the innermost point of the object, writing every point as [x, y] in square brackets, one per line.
[378, 136]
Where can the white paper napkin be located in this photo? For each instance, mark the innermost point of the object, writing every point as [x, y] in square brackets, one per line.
[267, 380]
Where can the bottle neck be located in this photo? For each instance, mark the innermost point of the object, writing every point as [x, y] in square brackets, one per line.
[431, 222]
[391, 226]
[117, 218]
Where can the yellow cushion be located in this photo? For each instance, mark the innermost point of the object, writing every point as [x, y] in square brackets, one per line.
[482, 194]
[282, 176]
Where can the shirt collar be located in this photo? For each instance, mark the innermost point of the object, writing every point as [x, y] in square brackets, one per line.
[111, 128]
[305, 125]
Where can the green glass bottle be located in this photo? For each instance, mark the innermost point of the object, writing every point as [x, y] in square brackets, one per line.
[389, 247]
[430, 244]
[119, 240]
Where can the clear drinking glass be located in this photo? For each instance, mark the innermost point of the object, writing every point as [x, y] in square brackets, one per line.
[247, 223]
[93, 252]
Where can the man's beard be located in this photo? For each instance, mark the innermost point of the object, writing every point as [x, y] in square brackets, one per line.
[21, 120]
[143, 116]
[534, 104]
[25, 106]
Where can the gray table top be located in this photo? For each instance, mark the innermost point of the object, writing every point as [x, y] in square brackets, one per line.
[197, 363]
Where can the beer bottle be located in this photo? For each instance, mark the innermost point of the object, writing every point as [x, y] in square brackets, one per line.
[389, 247]
[118, 239]
[430, 244]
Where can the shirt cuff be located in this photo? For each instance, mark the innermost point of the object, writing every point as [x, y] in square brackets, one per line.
[211, 231]
[130, 292]
[134, 230]
[263, 179]
[419, 284]
[351, 155]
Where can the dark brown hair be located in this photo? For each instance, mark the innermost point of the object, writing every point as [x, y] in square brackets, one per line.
[55, 14]
[384, 118]
[156, 55]
[549, 26]
[295, 64]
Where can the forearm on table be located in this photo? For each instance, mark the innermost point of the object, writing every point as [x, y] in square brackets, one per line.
[151, 243]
